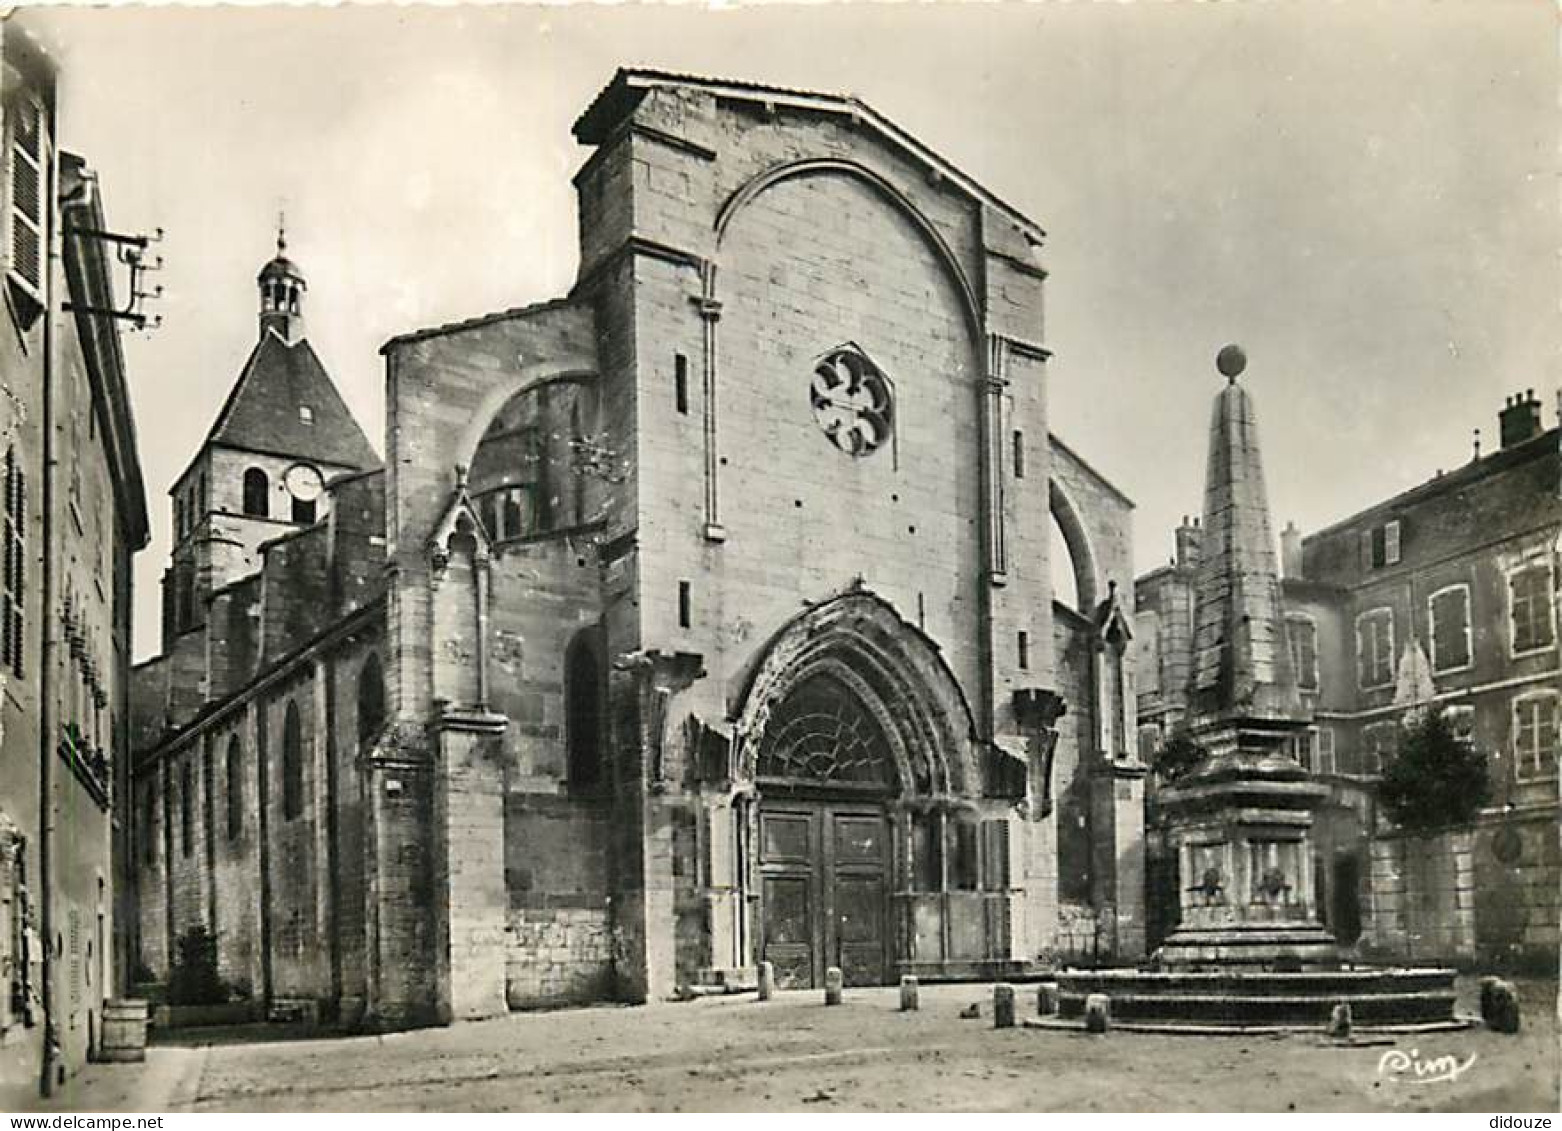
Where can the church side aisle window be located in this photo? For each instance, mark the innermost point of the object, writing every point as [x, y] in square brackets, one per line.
[292, 764]
[371, 701]
[186, 808]
[509, 512]
[234, 772]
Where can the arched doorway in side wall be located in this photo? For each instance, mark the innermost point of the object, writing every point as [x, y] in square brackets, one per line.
[824, 773]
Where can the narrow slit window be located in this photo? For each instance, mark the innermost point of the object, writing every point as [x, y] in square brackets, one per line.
[685, 605]
[681, 384]
[1019, 455]
[1022, 647]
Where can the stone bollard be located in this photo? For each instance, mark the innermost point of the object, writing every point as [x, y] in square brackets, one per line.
[1098, 1013]
[1003, 1006]
[1340, 1021]
[124, 1030]
[1047, 999]
[908, 993]
[767, 980]
[832, 986]
[1499, 1005]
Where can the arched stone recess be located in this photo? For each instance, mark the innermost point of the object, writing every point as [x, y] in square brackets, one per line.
[443, 386]
[768, 199]
[459, 556]
[897, 673]
[1082, 555]
[825, 166]
[528, 379]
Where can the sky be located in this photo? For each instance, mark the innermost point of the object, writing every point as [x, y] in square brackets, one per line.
[1364, 196]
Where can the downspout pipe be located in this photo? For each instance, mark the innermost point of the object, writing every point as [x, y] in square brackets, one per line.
[49, 724]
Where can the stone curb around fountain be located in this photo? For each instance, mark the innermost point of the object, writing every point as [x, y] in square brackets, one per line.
[1168, 1028]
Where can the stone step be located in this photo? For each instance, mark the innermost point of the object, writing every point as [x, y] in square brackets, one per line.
[1382, 1008]
[1311, 983]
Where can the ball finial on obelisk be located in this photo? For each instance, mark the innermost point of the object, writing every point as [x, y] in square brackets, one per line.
[1231, 361]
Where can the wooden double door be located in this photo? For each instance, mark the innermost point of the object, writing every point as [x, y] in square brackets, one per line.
[824, 898]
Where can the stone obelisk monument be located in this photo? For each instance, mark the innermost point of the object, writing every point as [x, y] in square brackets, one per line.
[1241, 820]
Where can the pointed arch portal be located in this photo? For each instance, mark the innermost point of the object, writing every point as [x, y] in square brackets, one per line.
[862, 827]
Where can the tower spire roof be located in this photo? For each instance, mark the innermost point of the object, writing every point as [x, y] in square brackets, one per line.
[282, 288]
[1242, 666]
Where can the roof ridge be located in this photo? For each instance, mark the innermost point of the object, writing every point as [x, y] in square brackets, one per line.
[589, 127]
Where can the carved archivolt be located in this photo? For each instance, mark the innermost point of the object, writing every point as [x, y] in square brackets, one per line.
[901, 686]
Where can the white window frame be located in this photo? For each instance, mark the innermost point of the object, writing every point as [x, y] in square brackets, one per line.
[1519, 702]
[1326, 763]
[1304, 618]
[1369, 751]
[1360, 672]
[1532, 562]
[1392, 547]
[1304, 748]
[1469, 636]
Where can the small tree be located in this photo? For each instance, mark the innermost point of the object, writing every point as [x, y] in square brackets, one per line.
[1178, 758]
[1436, 779]
[194, 979]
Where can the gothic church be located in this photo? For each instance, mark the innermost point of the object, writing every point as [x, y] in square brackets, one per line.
[698, 618]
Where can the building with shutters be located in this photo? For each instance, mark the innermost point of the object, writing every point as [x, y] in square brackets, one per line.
[72, 513]
[1446, 593]
[698, 618]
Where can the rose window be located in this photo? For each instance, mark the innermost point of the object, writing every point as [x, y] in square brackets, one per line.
[851, 401]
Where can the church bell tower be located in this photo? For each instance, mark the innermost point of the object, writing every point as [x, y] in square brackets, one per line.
[282, 288]
[260, 475]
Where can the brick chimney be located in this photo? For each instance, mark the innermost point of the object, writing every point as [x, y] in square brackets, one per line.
[1190, 538]
[1290, 551]
[1519, 419]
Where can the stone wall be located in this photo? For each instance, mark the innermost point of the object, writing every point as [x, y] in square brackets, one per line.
[1518, 880]
[235, 907]
[1421, 903]
[558, 875]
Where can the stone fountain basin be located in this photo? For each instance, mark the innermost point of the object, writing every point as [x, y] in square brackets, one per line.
[1377, 997]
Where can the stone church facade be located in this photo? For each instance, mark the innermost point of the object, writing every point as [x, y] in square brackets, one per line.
[699, 618]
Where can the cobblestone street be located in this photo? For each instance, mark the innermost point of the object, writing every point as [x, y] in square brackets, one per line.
[793, 1054]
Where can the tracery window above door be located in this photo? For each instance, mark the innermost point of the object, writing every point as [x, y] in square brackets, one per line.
[853, 401]
[822, 734]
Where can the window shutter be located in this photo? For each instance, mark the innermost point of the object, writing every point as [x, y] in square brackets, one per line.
[25, 246]
[1391, 543]
[1366, 549]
